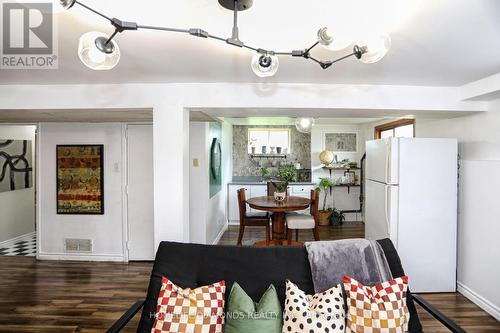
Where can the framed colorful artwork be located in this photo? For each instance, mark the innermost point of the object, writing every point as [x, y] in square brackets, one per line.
[80, 179]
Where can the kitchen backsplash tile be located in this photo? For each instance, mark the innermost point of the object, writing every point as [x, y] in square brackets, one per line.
[244, 165]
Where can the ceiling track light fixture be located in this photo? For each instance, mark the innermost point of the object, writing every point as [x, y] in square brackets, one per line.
[100, 52]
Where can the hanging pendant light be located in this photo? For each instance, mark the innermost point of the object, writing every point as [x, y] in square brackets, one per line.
[304, 125]
[97, 52]
[376, 46]
[332, 42]
[265, 65]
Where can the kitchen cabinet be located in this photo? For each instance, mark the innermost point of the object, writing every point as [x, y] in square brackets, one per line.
[250, 191]
[303, 191]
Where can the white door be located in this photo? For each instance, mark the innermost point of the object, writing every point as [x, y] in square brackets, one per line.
[381, 216]
[140, 192]
[382, 158]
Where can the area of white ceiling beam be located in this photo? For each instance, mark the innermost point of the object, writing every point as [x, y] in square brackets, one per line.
[486, 89]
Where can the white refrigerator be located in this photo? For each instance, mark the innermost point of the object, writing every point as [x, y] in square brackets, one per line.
[411, 198]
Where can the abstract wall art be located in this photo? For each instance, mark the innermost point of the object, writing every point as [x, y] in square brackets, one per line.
[80, 179]
[215, 172]
[16, 169]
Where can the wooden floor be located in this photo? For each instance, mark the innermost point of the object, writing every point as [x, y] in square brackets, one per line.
[64, 297]
[252, 234]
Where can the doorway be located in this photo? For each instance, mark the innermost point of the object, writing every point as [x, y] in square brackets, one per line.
[140, 188]
[17, 190]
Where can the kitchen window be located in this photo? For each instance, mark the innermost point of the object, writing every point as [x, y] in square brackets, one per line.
[404, 128]
[269, 137]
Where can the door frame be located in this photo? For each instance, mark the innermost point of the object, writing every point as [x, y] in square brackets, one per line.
[125, 160]
[35, 175]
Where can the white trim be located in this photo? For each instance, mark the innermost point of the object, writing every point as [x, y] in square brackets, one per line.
[12, 241]
[124, 167]
[80, 257]
[479, 300]
[38, 191]
[219, 236]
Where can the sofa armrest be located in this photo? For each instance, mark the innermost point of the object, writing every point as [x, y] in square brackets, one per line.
[450, 324]
[127, 316]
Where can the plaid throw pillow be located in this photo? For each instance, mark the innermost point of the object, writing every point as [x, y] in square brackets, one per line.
[378, 309]
[199, 310]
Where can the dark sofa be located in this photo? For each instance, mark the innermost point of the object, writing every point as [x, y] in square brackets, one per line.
[254, 268]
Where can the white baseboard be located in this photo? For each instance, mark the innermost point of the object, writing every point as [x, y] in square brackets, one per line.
[12, 241]
[219, 236]
[80, 257]
[479, 300]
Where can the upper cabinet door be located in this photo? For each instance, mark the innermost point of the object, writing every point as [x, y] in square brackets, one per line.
[382, 161]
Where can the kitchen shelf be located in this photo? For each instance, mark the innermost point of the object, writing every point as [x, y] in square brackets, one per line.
[330, 169]
[282, 156]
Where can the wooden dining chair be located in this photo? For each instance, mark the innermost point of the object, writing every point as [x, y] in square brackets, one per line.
[296, 221]
[251, 219]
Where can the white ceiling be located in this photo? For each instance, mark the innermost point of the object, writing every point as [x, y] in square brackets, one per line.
[99, 116]
[254, 115]
[254, 121]
[435, 42]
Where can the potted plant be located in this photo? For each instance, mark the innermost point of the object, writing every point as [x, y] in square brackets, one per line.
[285, 175]
[324, 185]
[264, 173]
[337, 217]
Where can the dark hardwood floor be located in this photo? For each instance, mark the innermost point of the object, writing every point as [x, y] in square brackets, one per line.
[252, 234]
[70, 297]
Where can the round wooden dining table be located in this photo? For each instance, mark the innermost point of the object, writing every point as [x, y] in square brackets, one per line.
[279, 209]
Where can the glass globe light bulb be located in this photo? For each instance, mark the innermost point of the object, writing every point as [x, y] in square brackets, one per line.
[264, 65]
[67, 4]
[331, 41]
[96, 53]
[376, 48]
[96, 56]
[304, 125]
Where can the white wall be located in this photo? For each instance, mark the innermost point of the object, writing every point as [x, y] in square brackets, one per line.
[170, 103]
[343, 200]
[106, 231]
[207, 215]
[198, 187]
[479, 211]
[18, 207]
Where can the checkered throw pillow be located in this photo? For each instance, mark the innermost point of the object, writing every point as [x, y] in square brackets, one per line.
[199, 310]
[378, 309]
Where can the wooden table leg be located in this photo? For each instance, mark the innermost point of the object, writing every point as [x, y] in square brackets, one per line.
[279, 229]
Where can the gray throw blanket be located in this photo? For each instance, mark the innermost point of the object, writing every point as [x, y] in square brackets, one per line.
[362, 259]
